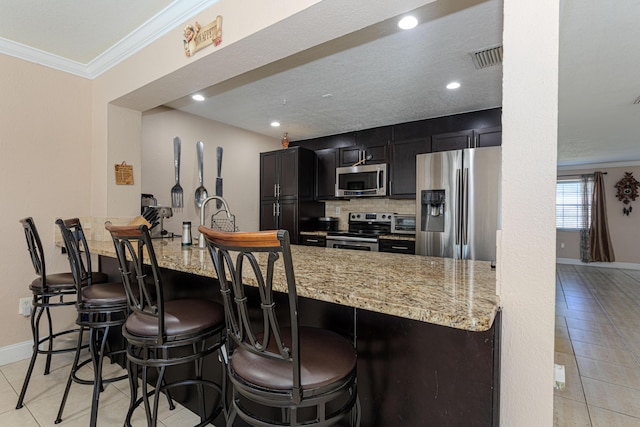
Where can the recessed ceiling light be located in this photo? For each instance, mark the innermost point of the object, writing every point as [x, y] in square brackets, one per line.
[197, 97]
[275, 124]
[453, 85]
[408, 22]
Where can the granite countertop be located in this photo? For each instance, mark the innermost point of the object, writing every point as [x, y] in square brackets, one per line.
[314, 233]
[382, 236]
[397, 237]
[455, 293]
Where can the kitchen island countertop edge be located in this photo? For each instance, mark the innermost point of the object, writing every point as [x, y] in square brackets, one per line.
[443, 291]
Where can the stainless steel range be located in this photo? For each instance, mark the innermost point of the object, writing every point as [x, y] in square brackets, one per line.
[364, 229]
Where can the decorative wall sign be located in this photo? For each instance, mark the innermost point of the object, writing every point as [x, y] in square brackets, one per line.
[124, 174]
[197, 37]
[627, 191]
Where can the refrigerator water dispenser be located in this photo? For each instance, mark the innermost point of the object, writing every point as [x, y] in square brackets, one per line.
[432, 218]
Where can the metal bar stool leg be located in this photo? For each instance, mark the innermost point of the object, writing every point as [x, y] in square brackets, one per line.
[47, 367]
[72, 373]
[98, 357]
[36, 314]
[199, 387]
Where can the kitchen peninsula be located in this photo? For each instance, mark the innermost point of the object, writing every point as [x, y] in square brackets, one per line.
[427, 329]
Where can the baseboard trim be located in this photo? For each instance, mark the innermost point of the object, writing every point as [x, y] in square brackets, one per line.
[623, 265]
[14, 352]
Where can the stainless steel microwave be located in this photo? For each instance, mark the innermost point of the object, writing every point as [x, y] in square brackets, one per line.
[361, 181]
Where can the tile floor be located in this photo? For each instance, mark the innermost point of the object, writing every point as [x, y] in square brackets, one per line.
[597, 339]
[45, 393]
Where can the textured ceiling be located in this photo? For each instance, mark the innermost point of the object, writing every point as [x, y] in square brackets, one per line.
[599, 66]
[377, 75]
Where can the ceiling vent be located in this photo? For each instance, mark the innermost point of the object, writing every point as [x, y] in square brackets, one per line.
[488, 57]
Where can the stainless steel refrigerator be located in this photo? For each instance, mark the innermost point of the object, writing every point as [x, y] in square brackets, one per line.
[458, 203]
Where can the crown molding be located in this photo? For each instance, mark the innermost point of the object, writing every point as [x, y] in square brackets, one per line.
[157, 26]
[625, 164]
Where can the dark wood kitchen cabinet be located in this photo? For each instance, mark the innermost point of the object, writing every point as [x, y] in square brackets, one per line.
[488, 137]
[326, 163]
[403, 167]
[370, 145]
[287, 190]
[279, 177]
[397, 246]
[309, 240]
[282, 214]
[372, 155]
[470, 138]
[452, 140]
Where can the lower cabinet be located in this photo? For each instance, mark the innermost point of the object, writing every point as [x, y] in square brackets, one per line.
[291, 215]
[397, 246]
[309, 240]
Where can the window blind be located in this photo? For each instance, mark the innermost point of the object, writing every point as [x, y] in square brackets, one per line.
[573, 203]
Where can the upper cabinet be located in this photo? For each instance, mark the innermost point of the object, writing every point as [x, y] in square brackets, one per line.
[371, 147]
[326, 164]
[470, 138]
[363, 155]
[398, 145]
[452, 141]
[285, 174]
[402, 182]
[488, 137]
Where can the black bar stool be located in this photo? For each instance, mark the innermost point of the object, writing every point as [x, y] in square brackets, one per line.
[308, 375]
[163, 333]
[49, 291]
[100, 307]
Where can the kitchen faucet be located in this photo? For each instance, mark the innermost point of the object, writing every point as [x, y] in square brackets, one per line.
[201, 242]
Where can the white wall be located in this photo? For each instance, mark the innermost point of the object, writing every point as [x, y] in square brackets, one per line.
[526, 262]
[240, 165]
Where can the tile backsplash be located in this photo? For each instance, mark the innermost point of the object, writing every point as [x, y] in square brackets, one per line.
[367, 204]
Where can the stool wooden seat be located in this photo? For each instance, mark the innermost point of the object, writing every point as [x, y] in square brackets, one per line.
[162, 333]
[308, 375]
[49, 291]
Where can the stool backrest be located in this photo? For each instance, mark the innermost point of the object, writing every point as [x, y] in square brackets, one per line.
[78, 253]
[34, 244]
[256, 258]
[143, 284]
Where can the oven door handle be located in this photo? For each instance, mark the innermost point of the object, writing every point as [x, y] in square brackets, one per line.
[352, 239]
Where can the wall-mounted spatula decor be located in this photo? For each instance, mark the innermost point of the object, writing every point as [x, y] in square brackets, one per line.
[219, 178]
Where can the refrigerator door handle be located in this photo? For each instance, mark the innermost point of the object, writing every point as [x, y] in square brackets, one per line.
[465, 207]
[458, 218]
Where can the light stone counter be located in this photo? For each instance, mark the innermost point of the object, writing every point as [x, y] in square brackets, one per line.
[455, 293]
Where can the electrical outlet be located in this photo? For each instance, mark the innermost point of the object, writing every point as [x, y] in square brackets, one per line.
[558, 377]
[337, 210]
[24, 306]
